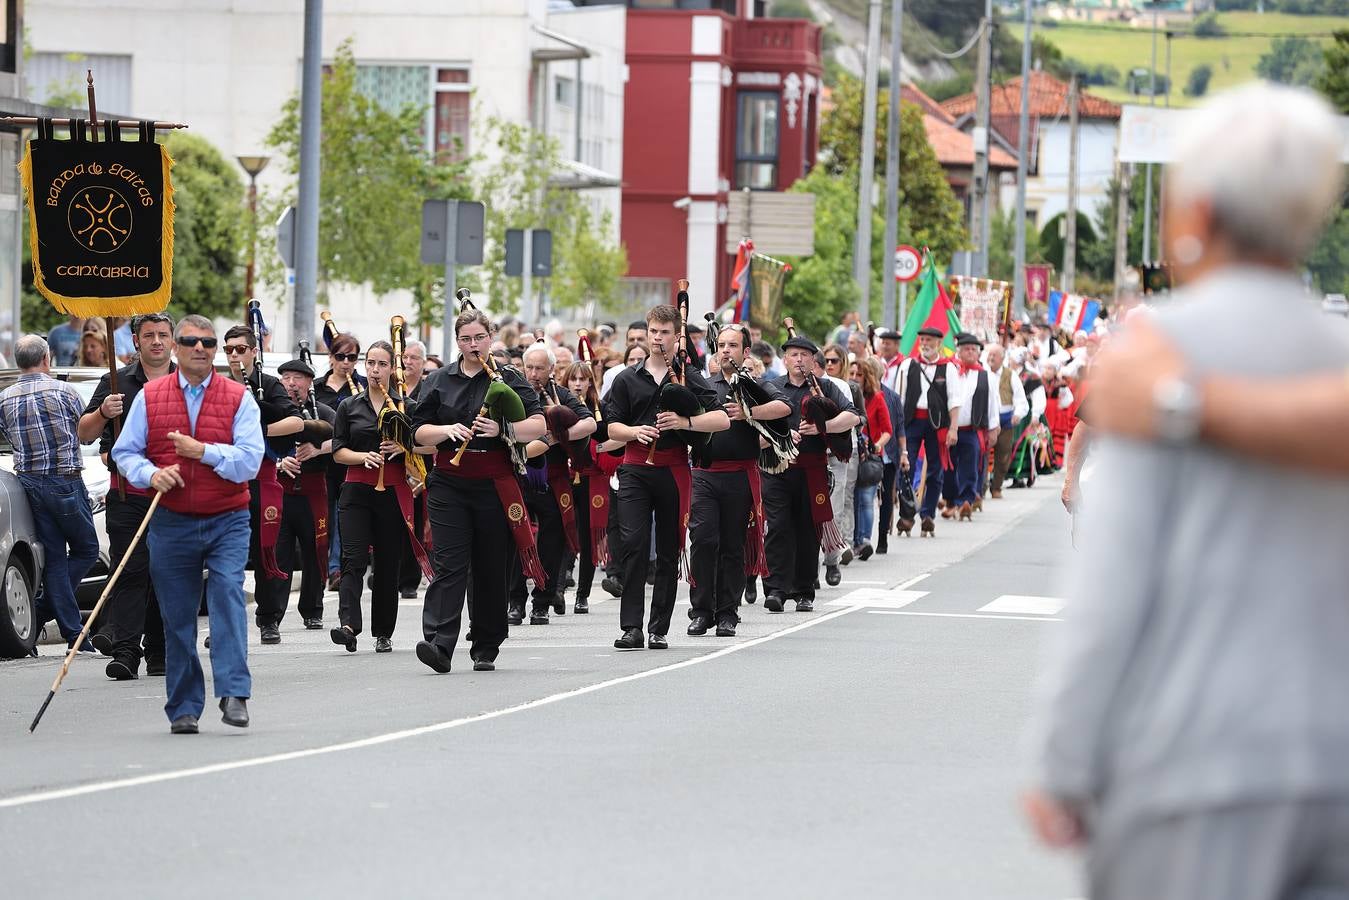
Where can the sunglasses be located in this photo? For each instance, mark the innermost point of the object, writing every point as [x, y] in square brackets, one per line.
[346, 357]
[237, 349]
[207, 342]
[828, 359]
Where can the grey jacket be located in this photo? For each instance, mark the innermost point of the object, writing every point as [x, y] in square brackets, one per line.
[1205, 655]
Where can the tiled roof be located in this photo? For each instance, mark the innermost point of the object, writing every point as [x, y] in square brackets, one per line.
[956, 148]
[912, 94]
[1048, 99]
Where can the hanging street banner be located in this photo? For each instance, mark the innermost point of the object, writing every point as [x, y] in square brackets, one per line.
[984, 304]
[101, 219]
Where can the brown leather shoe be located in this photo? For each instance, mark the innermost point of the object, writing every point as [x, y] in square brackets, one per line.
[929, 528]
[996, 494]
[966, 512]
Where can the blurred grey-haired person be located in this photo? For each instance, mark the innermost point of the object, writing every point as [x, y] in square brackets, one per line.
[1187, 730]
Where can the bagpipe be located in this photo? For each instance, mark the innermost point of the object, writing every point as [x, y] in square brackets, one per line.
[330, 334]
[394, 423]
[501, 402]
[587, 355]
[316, 431]
[781, 450]
[818, 410]
[560, 418]
[252, 380]
[675, 395]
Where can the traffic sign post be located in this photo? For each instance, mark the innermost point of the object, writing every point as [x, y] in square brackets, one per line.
[451, 235]
[285, 237]
[908, 263]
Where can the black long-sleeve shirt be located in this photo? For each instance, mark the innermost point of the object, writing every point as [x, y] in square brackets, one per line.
[740, 441]
[357, 424]
[810, 443]
[634, 400]
[448, 396]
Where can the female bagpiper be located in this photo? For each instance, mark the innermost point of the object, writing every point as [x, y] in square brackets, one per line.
[473, 498]
[590, 489]
[374, 506]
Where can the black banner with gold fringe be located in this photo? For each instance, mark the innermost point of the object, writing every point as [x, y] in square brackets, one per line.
[101, 220]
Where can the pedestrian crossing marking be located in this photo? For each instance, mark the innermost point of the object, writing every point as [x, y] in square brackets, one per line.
[876, 597]
[1025, 605]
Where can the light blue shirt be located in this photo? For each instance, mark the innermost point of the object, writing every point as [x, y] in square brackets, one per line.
[237, 462]
[122, 343]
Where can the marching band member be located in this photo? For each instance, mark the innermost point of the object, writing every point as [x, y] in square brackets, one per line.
[726, 517]
[409, 570]
[473, 498]
[976, 426]
[337, 384]
[832, 364]
[590, 489]
[931, 404]
[654, 477]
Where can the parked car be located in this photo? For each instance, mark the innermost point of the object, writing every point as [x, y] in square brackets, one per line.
[20, 552]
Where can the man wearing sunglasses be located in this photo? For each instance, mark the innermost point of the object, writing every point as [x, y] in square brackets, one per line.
[197, 439]
[281, 421]
[131, 620]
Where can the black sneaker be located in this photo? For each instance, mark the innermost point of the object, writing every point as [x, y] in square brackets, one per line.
[121, 670]
[832, 576]
[270, 634]
[612, 586]
[726, 628]
[657, 642]
[699, 625]
[631, 640]
[774, 602]
[805, 604]
[102, 643]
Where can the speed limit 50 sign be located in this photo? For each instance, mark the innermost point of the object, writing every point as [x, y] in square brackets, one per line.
[908, 263]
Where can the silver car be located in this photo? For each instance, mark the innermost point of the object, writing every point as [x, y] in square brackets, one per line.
[20, 552]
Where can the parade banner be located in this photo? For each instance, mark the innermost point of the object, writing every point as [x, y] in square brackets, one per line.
[768, 278]
[1073, 312]
[101, 220]
[1037, 283]
[984, 304]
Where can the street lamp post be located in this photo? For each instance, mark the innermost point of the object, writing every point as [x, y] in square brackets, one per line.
[253, 165]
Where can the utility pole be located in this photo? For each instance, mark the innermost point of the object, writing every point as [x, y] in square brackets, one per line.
[862, 252]
[1147, 171]
[888, 319]
[307, 209]
[1161, 188]
[1070, 232]
[1122, 225]
[1022, 148]
[979, 198]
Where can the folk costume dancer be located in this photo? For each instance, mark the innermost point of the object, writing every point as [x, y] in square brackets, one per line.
[337, 384]
[590, 489]
[550, 504]
[375, 506]
[796, 502]
[474, 501]
[132, 629]
[976, 427]
[1012, 407]
[303, 540]
[1030, 442]
[891, 358]
[726, 521]
[831, 363]
[197, 438]
[931, 404]
[281, 421]
[655, 477]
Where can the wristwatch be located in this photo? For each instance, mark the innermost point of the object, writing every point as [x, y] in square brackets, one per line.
[1176, 408]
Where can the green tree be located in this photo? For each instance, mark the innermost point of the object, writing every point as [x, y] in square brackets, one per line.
[1196, 85]
[209, 229]
[821, 286]
[589, 266]
[1334, 78]
[1291, 60]
[1002, 246]
[375, 173]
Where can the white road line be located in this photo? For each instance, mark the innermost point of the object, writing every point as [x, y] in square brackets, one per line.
[390, 737]
[912, 581]
[875, 597]
[941, 615]
[1023, 604]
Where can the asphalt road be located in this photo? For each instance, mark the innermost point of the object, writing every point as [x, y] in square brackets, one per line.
[868, 750]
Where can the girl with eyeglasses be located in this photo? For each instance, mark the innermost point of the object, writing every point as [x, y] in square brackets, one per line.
[331, 388]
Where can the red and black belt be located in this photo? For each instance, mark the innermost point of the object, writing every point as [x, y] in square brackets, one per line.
[496, 465]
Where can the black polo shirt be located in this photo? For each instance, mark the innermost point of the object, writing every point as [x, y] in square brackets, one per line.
[357, 424]
[321, 462]
[558, 453]
[324, 394]
[448, 396]
[274, 405]
[633, 400]
[130, 380]
[740, 441]
[810, 443]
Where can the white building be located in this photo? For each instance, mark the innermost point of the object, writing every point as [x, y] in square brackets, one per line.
[225, 67]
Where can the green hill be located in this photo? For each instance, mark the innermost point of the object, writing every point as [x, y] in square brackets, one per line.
[1233, 57]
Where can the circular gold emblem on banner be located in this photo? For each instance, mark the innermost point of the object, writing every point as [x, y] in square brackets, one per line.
[99, 219]
[515, 512]
[597, 501]
[819, 499]
[271, 513]
[565, 501]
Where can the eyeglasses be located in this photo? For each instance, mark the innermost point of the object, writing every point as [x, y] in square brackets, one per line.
[473, 338]
[346, 357]
[237, 349]
[207, 342]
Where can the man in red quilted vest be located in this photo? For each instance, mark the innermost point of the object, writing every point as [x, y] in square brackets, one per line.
[197, 439]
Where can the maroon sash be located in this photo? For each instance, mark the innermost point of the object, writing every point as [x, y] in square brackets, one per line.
[816, 468]
[313, 486]
[496, 465]
[124, 487]
[676, 459]
[559, 480]
[395, 479]
[270, 499]
[756, 562]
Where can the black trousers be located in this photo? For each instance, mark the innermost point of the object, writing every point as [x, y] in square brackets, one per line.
[409, 572]
[644, 491]
[552, 544]
[294, 549]
[718, 519]
[887, 501]
[792, 549]
[369, 519]
[585, 575]
[469, 534]
[132, 611]
[615, 535]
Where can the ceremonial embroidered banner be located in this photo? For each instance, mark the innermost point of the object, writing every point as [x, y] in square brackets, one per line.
[101, 219]
[1037, 283]
[983, 304]
[768, 277]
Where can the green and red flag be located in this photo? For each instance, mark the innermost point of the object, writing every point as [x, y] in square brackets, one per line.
[932, 307]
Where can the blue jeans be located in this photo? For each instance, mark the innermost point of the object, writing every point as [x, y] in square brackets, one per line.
[864, 510]
[180, 547]
[61, 513]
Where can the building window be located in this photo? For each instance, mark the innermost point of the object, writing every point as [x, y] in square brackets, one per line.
[564, 92]
[442, 93]
[453, 96]
[756, 140]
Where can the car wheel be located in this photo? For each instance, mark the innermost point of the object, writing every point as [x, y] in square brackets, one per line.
[18, 613]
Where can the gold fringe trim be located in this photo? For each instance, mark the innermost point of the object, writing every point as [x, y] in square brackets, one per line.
[155, 301]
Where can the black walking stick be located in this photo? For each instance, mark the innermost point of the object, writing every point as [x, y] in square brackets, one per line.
[107, 591]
